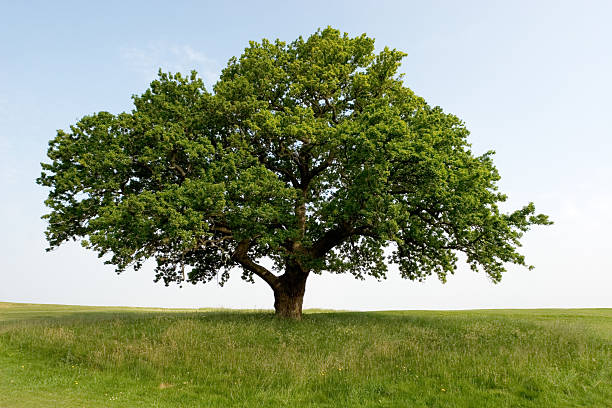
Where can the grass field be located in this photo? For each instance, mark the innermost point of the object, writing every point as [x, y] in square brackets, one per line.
[73, 356]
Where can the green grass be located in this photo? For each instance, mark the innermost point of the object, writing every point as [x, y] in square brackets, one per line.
[72, 356]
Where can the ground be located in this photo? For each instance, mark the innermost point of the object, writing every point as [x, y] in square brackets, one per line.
[73, 356]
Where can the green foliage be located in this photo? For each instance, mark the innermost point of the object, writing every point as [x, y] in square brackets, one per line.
[312, 153]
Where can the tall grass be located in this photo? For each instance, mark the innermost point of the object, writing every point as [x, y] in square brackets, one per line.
[122, 358]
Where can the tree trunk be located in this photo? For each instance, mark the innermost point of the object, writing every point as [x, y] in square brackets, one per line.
[289, 294]
[288, 306]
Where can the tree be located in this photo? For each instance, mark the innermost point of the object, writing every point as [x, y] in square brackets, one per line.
[312, 154]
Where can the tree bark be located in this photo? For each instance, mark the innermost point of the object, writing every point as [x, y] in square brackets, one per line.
[287, 305]
[289, 293]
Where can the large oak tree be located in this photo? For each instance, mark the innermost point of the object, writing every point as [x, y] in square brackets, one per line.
[313, 154]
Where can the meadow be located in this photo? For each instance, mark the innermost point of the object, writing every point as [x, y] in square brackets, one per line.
[75, 356]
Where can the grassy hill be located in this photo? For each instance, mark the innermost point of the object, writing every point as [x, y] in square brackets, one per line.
[74, 356]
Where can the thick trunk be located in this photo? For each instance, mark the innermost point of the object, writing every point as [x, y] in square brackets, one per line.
[288, 306]
[289, 294]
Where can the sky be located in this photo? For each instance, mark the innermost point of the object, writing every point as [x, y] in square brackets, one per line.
[531, 80]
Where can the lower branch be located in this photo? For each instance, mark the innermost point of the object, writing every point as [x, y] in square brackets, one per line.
[240, 255]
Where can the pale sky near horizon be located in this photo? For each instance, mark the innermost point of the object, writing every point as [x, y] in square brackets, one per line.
[532, 81]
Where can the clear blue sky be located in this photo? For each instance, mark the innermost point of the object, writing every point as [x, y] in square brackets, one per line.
[532, 80]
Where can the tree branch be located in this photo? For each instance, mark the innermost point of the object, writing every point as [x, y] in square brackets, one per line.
[337, 236]
[332, 108]
[240, 255]
[290, 177]
[176, 166]
[321, 167]
[330, 239]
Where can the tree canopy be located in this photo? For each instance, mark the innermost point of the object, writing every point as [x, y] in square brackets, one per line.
[312, 153]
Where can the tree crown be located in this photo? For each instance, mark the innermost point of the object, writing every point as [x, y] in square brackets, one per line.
[312, 153]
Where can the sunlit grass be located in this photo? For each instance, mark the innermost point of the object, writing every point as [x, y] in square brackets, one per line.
[68, 356]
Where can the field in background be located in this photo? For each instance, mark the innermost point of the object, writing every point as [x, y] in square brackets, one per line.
[75, 356]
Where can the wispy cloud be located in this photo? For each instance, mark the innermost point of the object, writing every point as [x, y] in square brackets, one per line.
[171, 57]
